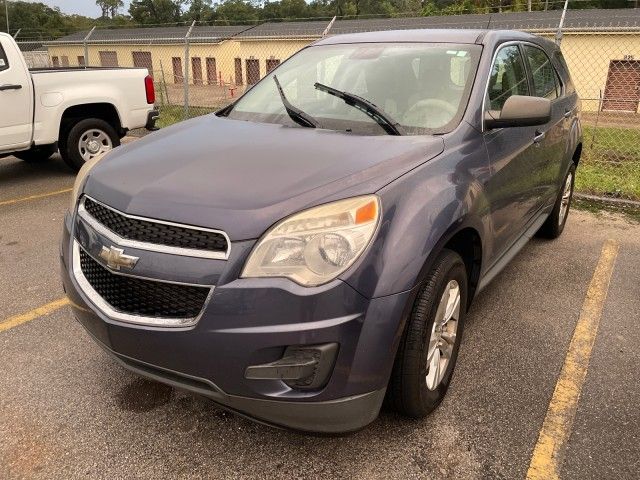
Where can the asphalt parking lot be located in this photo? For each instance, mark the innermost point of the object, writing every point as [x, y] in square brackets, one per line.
[68, 411]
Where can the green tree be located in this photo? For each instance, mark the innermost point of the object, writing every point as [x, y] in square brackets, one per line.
[285, 9]
[109, 7]
[236, 12]
[199, 10]
[155, 11]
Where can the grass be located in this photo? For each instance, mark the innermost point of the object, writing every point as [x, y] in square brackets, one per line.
[170, 114]
[610, 164]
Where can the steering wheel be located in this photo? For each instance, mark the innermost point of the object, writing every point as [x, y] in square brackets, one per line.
[429, 113]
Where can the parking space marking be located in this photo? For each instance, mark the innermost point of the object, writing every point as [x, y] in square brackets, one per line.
[556, 429]
[34, 197]
[33, 314]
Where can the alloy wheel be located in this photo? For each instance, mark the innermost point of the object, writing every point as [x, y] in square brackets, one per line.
[566, 198]
[443, 335]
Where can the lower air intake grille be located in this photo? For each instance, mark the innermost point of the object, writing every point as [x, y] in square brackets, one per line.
[147, 298]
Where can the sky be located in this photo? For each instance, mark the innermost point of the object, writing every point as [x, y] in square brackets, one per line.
[82, 7]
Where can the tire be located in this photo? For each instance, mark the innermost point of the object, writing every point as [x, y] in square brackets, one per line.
[413, 387]
[86, 130]
[554, 225]
[37, 154]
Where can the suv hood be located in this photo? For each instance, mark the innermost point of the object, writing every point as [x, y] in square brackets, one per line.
[242, 177]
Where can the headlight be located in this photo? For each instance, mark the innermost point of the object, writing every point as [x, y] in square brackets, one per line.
[315, 246]
[81, 178]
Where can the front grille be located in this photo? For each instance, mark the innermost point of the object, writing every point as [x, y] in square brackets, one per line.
[147, 298]
[149, 231]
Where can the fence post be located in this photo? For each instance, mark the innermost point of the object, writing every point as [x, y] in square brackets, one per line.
[86, 47]
[326, 30]
[561, 24]
[186, 71]
[15, 35]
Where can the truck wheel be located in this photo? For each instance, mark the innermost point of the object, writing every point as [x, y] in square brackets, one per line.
[87, 139]
[429, 347]
[554, 225]
[37, 154]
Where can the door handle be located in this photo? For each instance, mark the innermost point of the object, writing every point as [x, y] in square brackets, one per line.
[10, 87]
[539, 136]
[567, 113]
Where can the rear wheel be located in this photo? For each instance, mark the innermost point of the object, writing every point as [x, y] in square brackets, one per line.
[87, 139]
[554, 225]
[429, 347]
[37, 154]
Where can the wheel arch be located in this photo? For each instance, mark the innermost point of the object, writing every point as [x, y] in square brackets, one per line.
[465, 239]
[103, 111]
[577, 154]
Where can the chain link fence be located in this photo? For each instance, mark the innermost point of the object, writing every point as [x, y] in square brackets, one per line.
[200, 68]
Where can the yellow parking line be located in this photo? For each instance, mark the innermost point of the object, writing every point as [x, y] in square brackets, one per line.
[556, 429]
[34, 197]
[33, 314]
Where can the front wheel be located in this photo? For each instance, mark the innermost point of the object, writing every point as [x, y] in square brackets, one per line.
[429, 347]
[554, 225]
[87, 139]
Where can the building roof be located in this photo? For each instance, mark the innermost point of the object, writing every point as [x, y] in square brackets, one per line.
[593, 20]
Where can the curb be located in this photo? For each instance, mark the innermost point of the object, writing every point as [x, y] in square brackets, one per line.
[613, 200]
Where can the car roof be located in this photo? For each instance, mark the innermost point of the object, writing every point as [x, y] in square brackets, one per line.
[482, 37]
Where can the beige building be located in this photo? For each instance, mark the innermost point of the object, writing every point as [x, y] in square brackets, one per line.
[601, 47]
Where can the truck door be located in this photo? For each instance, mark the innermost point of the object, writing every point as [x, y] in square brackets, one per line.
[550, 152]
[513, 186]
[16, 100]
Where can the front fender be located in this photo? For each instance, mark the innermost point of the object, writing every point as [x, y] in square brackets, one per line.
[421, 211]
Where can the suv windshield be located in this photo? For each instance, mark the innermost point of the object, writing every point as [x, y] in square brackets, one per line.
[421, 87]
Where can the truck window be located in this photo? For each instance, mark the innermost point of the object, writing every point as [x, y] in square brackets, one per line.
[545, 82]
[4, 63]
[508, 77]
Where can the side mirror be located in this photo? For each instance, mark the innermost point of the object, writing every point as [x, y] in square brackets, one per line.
[519, 111]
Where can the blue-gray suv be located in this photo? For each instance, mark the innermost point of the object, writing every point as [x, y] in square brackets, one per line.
[312, 249]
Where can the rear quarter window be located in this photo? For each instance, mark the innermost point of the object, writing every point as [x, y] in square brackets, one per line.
[4, 63]
[562, 67]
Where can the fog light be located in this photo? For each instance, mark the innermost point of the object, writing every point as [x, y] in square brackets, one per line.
[304, 367]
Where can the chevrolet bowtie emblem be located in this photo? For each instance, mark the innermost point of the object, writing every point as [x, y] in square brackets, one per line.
[116, 259]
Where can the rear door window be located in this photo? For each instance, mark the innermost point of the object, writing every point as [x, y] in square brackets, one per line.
[4, 62]
[508, 77]
[543, 74]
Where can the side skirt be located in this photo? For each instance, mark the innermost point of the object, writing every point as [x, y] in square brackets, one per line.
[502, 262]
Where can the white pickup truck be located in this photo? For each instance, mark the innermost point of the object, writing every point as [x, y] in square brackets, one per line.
[82, 112]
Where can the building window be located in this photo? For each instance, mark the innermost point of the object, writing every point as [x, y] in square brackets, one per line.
[81, 60]
[238, 66]
[108, 58]
[621, 93]
[55, 61]
[253, 71]
[143, 60]
[196, 68]
[212, 74]
[65, 60]
[178, 74]
[272, 63]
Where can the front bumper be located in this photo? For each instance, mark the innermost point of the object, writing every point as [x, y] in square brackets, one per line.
[252, 321]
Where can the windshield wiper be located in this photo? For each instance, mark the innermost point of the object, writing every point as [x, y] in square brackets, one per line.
[364, 106]
[295, 113]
